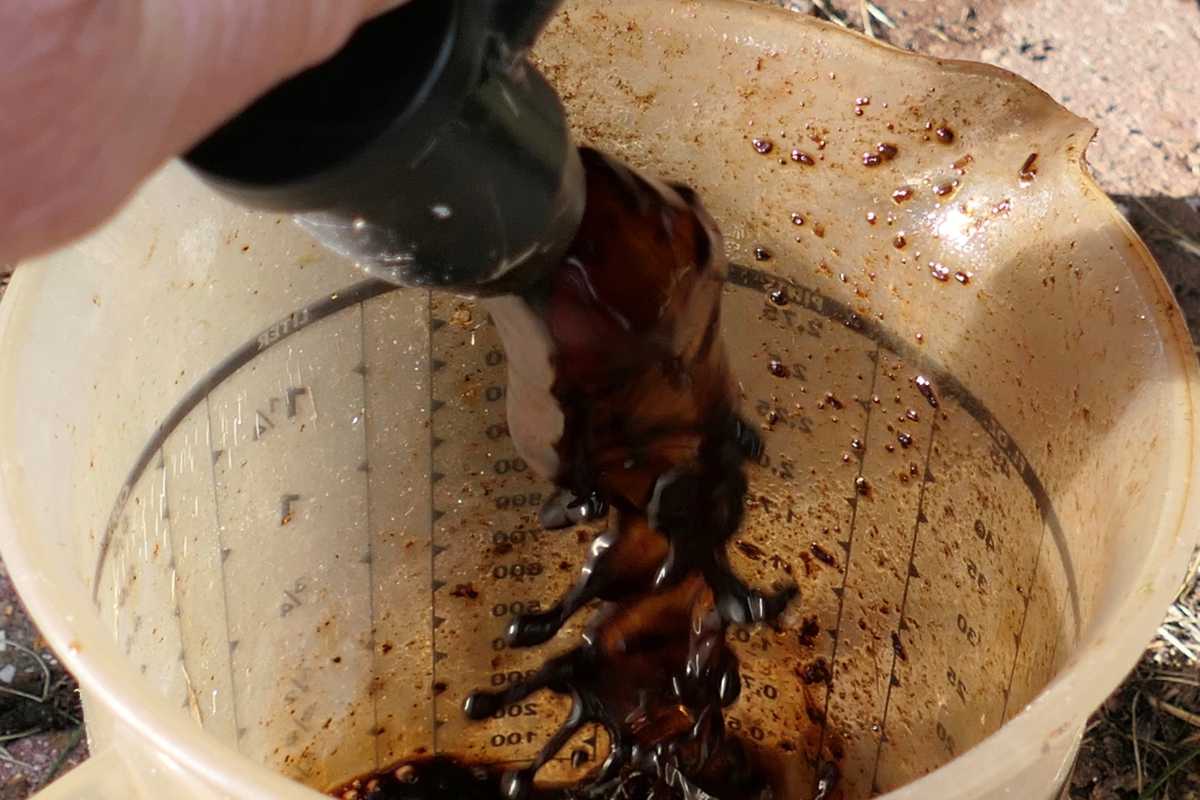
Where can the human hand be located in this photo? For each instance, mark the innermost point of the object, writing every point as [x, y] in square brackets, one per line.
[96, 94]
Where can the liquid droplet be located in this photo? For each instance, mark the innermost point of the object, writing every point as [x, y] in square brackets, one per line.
[762, 146]
[777, 368]
[1028, 170]
[887, 151]
[762, 254]
[944, 135]
[925, 387]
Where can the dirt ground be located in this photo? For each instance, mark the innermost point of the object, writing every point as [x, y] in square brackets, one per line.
[1127, 65]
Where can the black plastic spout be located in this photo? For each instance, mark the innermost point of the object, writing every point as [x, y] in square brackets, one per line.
[428, 149]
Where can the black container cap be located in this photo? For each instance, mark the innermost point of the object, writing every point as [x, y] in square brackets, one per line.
[427, 149]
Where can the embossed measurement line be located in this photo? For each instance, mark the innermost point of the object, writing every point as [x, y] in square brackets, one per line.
[275, 333]
[1028, 598]
[849, 560]
[212, 466]
[901, 625]
[367, 429]
[433, 522]
[949, 386]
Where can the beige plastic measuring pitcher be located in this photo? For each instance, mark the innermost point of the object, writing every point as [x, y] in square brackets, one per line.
[268, 511]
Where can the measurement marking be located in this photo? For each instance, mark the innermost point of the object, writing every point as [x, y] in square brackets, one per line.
[292, 393]
[841, 592]
[1012, 673]
[224, 581]
[804, 297]
[739, 275]
[433, 623]
[361, 369]
[950, 386]
[274, 334]
[177, 612]
[902, 625]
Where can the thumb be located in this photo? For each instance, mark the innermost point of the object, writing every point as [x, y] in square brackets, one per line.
[94, 95]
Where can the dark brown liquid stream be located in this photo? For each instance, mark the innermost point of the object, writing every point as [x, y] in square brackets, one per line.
[651, 442]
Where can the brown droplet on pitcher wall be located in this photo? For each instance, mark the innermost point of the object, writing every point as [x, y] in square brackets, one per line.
[803, 158]
[1029, 170]
[762, 146]
[822, 555]
[816, 672]
[944, 134]
[901, 194]
[762, 254]
[777, 368]
[750, 550]
[810, 629]
[945, 188]
[779, 297]
[899, 242]
[887, 151]
[925, 387]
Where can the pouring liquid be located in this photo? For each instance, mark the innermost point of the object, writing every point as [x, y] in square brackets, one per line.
[620, 391]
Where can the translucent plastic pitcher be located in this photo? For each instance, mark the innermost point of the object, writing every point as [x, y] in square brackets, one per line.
[269, 513]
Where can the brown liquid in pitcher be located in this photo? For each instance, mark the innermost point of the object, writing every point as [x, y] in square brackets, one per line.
[644, 433]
